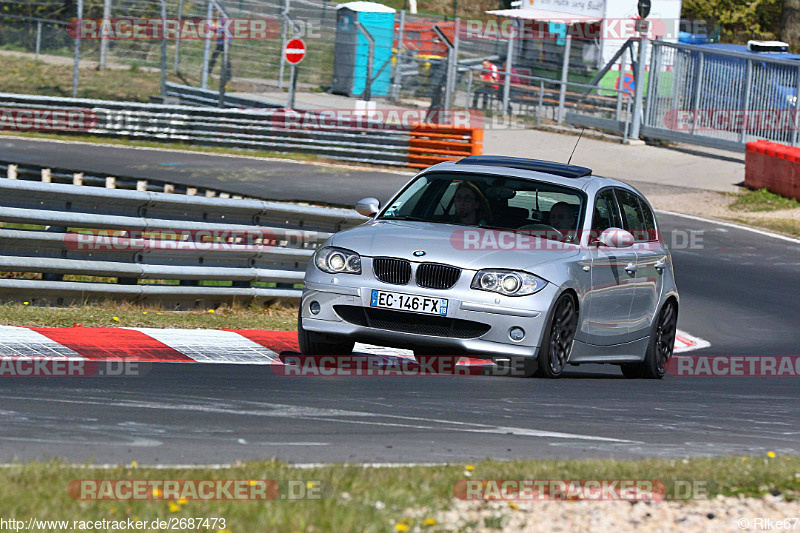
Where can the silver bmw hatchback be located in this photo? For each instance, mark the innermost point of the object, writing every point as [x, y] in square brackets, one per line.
[528, 263]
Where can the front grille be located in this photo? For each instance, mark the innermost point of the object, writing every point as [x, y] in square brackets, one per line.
[434, 326]
[395, 271]
[433, 276]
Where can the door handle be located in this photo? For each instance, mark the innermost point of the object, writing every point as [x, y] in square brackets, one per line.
[660, 266]
[631, 269]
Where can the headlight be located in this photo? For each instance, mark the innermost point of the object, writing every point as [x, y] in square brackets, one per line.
[337, 261]
[507, 282]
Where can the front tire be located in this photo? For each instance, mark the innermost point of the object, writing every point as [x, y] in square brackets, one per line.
[558, 336]
[311, 345]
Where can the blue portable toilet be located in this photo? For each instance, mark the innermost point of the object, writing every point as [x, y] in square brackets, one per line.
[351, 51]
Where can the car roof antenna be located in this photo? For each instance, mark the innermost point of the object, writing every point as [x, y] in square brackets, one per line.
[576, 146]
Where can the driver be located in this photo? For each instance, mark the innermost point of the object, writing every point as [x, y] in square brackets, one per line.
[471, 206]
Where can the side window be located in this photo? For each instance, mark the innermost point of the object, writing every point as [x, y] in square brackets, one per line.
[632, 214]
[605, 212]
[649, 221]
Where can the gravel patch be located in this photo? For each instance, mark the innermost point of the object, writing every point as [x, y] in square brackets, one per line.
[717, 514]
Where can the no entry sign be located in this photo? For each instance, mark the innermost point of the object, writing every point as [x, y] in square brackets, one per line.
[295, 51]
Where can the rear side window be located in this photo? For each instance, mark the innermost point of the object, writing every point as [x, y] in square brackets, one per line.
[606, 213]
[632, 214]
[649, 221]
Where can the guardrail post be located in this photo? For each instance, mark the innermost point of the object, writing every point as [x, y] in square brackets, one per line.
[111, 182]
[207, 46]
[77, 178]
[796, 109]
[47, 176]
[141, 185]
[562, 97]
[38, 38]
[623, 65]
[191, 191]
[47, 276]
[507, 74]
[747, 94]
[12, 172]
[638, 97]
[698, 85]
[178, 40]
[163, 48]
[77, 52]
[169, 188]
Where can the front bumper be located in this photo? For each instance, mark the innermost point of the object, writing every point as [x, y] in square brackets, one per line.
[500, 313]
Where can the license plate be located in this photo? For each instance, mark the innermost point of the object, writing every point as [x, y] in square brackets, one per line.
[408, 302]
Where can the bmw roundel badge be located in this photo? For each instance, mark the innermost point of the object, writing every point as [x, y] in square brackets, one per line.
[419, 253]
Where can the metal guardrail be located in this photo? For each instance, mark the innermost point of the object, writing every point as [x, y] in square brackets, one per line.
[266, 129]
[66, 176]
[196, 96]
[67, 230]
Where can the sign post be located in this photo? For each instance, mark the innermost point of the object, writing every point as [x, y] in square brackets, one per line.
[293, 53]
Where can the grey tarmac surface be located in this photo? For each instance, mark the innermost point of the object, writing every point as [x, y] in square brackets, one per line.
[275, 179]
[738, 291]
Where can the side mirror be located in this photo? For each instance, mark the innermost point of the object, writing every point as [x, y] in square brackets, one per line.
[615, 238]
[368, 207]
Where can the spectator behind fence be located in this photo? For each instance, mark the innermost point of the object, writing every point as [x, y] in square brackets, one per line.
[490, 86]
[219, 30]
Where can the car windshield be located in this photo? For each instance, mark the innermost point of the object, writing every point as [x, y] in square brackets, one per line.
[493, 202]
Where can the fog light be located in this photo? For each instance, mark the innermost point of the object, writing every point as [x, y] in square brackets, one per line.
[516, 334]
[314, 308]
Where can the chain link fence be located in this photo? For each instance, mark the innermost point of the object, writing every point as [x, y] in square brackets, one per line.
[412, 61]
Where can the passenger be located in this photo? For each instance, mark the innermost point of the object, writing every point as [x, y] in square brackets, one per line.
[471, 206]
[564, 218]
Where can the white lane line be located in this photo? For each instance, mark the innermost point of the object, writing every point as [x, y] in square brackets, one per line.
[226, 466]
[213, 346]
[685, 342]
[731, 225]
[23, 342]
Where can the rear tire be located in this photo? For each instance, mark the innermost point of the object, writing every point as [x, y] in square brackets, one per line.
[311, 345]
[558, 336]
[660, 347]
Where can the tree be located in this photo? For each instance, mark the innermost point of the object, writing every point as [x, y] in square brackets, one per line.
[790, 22]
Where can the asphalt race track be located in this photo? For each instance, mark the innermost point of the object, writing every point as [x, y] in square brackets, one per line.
[738, 291]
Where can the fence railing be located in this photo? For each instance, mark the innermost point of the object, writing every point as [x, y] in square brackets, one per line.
[67, 243]
[720, 99]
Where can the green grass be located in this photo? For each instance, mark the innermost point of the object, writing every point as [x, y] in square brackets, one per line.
[103, 314]
[781, 225]
[762, 200]
[352, 498]
[27, 76]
